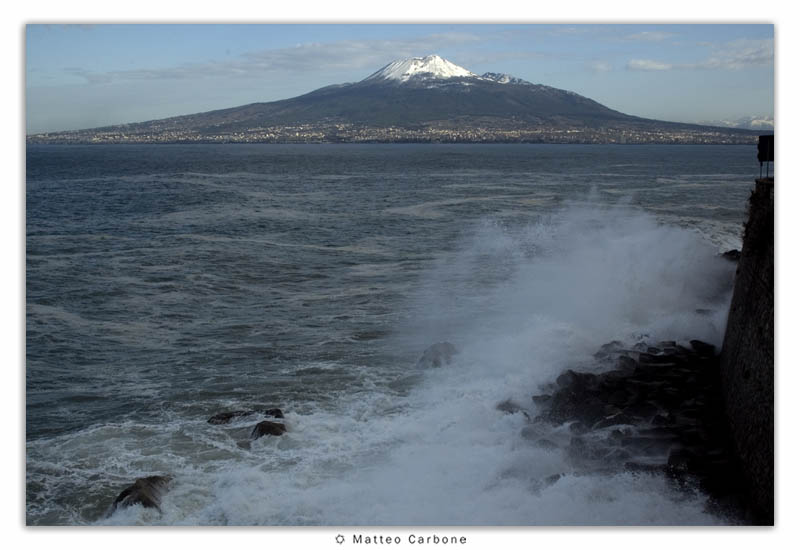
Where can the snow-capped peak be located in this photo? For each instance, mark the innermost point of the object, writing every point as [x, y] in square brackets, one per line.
[430, 66]
[502, 78]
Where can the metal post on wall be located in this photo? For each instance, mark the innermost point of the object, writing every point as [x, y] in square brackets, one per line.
[766, 152]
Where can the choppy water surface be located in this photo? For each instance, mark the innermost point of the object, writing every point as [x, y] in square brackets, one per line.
[169, 283]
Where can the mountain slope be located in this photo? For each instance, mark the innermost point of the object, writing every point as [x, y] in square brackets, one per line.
[412, 97]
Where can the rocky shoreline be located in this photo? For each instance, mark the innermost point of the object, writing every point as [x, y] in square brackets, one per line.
[651, 408]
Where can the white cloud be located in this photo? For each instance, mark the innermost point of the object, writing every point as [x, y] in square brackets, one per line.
[733, 55]
[650, 36]
[738, 54]
[647, 65]
[600, 66]
[303, 58]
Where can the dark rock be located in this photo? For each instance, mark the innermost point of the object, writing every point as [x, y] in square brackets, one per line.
[618, 455]
[550, 480]
[663, 420]
[542, 399]
[267, 428]
[566, 379]
[653, 359]
[576, 380]
[681, 460]
[146, 491]
[510, 407]
[617, 419]
[606, 350]
[671, 400]
[274, 413]
[578, 428]
[227, 417]
[642, 410]
[437, 355]
[575, 405]
[732, 255]
[619, 398]
[626, 363]
[703, 348]
[619, 434]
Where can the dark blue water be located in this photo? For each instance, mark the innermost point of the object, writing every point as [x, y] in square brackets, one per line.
[168, 283]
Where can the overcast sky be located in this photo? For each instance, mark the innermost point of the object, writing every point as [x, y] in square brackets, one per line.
[84, 76]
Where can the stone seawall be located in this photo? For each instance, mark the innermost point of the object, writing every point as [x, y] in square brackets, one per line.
[747, 359]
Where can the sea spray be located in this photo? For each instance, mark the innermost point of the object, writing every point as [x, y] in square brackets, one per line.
[521, 305]
[313, 279]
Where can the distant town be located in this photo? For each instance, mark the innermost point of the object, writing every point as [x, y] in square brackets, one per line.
[349, 133]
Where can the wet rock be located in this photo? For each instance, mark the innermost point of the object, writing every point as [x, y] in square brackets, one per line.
[542, 399]
[618, 434]
[267, 428]
[227, 417]
[615, 420]
[703, 348]
[668, 398]
[663, 420]
[618, 455]
[653, 359]
[609, 349]
[146, 491]
[509, 407]
[576, 380]
[619, 398]
[437, 355]
[640, 346]
[578, 428]
[680, 460]
[550, 480]
[569, 404]
[642, 410]
[732, 255]
[626, 363]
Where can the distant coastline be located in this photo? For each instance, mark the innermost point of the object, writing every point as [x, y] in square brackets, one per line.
[351, 134]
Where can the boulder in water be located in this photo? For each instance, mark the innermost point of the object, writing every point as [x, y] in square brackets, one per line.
[732, 255]
[437, 355]
[609, 349]
[146, 491]
[703, 348]
[267, 428]
[509, 407]
[227, 417]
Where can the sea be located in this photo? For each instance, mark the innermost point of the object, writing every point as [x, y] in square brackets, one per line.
[168, 283]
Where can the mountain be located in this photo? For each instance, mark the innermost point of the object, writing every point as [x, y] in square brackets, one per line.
[750, 122]
[415, 99]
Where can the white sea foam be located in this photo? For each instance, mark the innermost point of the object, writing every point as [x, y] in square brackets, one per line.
[521, 306]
